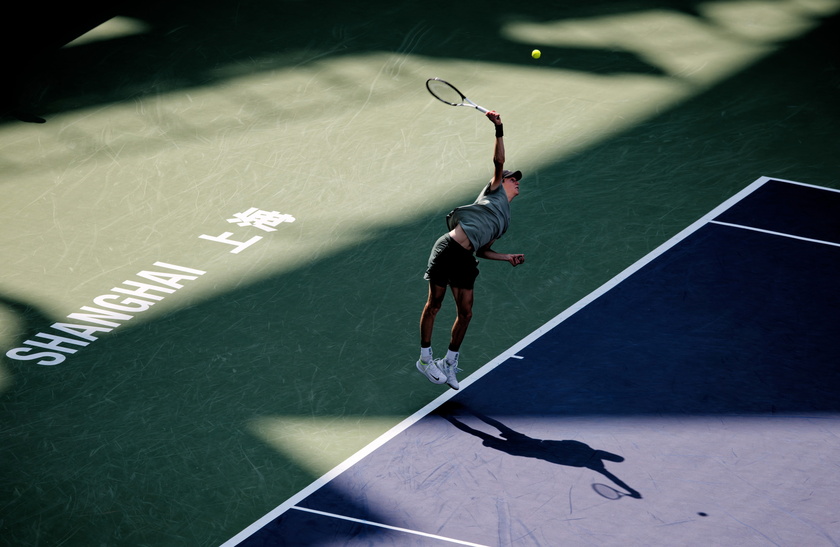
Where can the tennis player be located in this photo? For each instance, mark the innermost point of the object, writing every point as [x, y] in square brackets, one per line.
[472, 231]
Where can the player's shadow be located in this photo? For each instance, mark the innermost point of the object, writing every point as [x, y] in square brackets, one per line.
[565, 452]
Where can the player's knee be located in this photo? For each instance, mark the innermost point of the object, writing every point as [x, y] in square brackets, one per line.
[432, 307]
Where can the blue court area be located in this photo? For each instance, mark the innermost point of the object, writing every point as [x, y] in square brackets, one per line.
[690, 401]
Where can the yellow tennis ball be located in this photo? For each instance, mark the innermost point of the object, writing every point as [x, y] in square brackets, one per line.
[536, 54]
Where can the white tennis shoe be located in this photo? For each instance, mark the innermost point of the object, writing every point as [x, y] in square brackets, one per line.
[449, 370]
[431, 371]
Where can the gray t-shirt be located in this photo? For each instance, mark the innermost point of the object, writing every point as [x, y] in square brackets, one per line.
[484, 220]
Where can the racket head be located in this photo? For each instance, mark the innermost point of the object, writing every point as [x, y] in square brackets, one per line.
[606, 491]
[445, 92]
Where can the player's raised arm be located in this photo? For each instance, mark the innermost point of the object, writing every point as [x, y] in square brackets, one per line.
[498, 149]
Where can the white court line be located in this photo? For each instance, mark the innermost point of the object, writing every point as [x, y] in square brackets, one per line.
[510, 353]
[380, 525]
[837, 191]
[791, 236]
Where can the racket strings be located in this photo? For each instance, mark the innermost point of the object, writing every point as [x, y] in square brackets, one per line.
[444, 92]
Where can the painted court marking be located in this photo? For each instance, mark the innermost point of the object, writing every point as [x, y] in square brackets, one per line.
[791, 236]
[380, 525]
[511, 353]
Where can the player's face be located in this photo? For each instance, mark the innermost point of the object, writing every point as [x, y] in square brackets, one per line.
[512, 184]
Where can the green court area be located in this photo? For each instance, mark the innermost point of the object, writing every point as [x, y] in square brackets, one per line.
[213, 246]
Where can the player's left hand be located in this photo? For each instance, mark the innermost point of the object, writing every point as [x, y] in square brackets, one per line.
[516, 260]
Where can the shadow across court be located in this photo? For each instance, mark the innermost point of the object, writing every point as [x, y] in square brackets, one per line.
[193, 44]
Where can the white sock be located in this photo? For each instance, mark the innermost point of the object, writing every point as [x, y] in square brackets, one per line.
[451, 357]
[426, 355]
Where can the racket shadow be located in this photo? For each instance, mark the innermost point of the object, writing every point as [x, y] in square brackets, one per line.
[560, 452]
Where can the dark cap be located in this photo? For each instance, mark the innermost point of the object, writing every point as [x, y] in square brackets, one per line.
[515, 174]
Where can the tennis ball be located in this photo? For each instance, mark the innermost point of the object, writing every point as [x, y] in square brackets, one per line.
[536, 54]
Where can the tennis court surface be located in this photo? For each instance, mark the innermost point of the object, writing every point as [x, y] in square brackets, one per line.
[246, 194]
[691, 400]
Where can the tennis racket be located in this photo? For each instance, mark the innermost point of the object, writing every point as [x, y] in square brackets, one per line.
[449, 94]
[612, 494]
[607, 491]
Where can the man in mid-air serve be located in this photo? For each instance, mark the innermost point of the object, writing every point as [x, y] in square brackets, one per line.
[472, 231]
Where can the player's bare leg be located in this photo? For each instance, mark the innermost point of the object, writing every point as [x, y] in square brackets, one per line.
[426, 364]
[464, 303]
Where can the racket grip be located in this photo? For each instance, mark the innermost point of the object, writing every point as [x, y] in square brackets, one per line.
[481, 109]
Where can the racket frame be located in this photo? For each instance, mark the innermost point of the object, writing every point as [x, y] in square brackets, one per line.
[464, 100]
